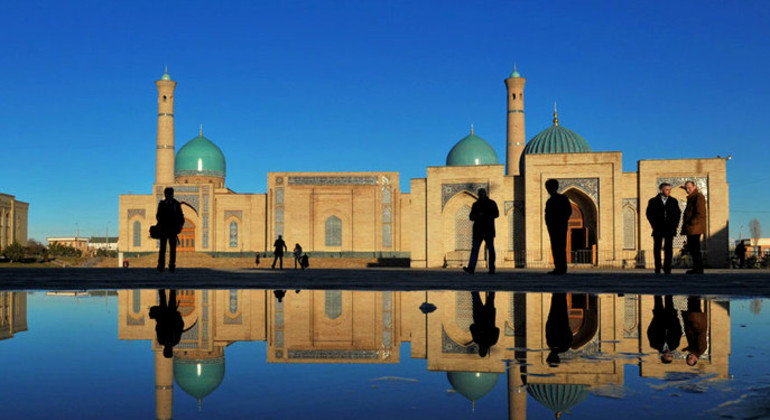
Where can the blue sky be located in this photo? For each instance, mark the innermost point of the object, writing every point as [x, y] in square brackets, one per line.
[365, 85]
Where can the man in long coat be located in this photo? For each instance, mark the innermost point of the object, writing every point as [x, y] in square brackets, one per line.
[558, 210]
[663, 213]
[483, 214]
[694, 225]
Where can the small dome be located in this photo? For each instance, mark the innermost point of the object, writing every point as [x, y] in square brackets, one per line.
[558, 398]
[555, 139]
[473, 385]
[200, 156]
[515, 73]
[199, 377]
[165, 76]
[472, 150]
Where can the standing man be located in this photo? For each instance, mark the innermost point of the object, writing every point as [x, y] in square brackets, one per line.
[740, 252]
[663, 214]
[278, 248]
[170, 222]
[557, 212]
[483, 214]
[694, 225]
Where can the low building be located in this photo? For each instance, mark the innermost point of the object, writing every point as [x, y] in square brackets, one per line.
[757, 247]
[13, 220]
[107, 243]
[78, 242]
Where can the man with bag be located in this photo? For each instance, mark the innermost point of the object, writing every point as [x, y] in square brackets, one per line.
[170, 222]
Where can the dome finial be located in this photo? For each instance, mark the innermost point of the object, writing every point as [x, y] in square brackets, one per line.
[165, 76]
[515, 72]
[200, 405]
[200, 133]
[471, 128]
[555, 114]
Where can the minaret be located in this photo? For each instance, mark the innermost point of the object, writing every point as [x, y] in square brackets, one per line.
[164, 386]
[164, 155]
[516, 138]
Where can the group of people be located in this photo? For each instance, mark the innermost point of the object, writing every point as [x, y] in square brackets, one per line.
[279, 247]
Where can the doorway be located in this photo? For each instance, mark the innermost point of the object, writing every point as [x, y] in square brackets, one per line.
[187, 237]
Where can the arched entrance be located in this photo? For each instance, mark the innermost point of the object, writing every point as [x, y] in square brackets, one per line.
[581, 233]
[187, 237]
[583, 313]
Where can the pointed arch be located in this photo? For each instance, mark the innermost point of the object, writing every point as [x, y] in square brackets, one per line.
[333, 231]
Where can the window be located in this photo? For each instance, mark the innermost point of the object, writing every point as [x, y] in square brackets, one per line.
[514, 96]
[233, 234]
[463, 229]
[333, 231]
[137, 234]
[629, 228]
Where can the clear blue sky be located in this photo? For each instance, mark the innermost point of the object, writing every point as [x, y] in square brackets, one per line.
[365, 85]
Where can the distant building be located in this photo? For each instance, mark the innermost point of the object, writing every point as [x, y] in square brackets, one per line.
[13, 314]
[109, 243]
[77, 242]
[13, 220]
[758, 247]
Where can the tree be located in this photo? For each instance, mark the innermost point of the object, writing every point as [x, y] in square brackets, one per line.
[14, 252]
[755, 229]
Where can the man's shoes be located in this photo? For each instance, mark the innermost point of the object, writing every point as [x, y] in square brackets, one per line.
[171, 269]
[694, 271]
[666, 272]
[657, 271]
[160, 268]
[492, 271]
[557, 272]
[468, 270]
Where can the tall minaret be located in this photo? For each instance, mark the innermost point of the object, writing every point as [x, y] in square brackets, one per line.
[164, 155]
[516, 138]
[164, 386]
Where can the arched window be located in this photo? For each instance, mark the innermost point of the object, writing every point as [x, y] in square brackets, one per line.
[629, 228]
[137, 233]
[233, 307]
[463, 229]
[333, 231]
[233, 234]
[333, 303]
[136, 301]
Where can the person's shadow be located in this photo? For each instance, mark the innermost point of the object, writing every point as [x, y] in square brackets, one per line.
[558, 334]
[168, 322]
[483, 330]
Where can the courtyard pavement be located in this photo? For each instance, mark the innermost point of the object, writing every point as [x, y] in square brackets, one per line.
[748, 283]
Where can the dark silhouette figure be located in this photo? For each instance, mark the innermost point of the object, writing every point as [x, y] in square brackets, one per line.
[557, 213]
[558, 334]
[694, 225]
[279, 294]
[665, 331]
[483, 330]
[740, 252]
[168, 322]
[304, 262]
[278, 248]
[695, 329]
[297, 256]
[256, 260]
[483, 214]
[170, 222]
[663, 213]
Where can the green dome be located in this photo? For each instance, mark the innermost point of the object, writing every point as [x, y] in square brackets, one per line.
[471, 150]
[199, 377]
[472, 385]
[555, 139]
[558, 398]
[515, 73]
[200, 157]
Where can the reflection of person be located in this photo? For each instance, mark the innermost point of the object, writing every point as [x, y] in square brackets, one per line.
[278, 247]
[168, 322]
[694, 225]
[558, 334]
[557, 212]
[297, 255]
[483, 214]
[170, 222]
[695, 329]
[740, 252]
[483, 330]
[663, 214]
[279, 294]
[665, 331]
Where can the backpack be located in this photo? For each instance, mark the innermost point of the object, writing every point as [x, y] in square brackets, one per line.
[303, 261]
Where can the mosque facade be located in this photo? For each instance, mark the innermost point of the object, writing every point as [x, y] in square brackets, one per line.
[13, 220]
[365, 214]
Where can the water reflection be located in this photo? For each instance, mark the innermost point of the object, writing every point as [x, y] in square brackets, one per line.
[554, 348]
[13, 314]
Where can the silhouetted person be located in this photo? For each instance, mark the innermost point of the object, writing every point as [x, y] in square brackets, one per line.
[170, 222]
[279, 294]
[278, 248]
[558, 334]
[740, 252]
[297, 256]
[665, 331]
[558, 209]
[483, 330]
[256, 260]
[483, 214]
[695, 329]
[694, 225]
[663, 213]
[168, 322]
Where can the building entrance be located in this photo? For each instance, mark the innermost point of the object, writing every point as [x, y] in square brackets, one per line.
[187, 237]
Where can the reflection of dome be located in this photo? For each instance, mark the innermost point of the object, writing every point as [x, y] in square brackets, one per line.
[555, 139]
[199, 377]
[472, 385]
[558, 398]
[200, 156]
[472, 150]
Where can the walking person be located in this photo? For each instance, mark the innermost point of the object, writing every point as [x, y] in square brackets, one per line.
[170, 222]
[168, 322]
[558, 210]
[558, 335]
[297, 256]
[483, 214]
[278, 248]
[663, 213]
[665, 331]
[694, 225]
[484, 330]
[740, 252]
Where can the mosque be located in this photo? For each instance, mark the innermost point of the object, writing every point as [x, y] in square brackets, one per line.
[365, 214]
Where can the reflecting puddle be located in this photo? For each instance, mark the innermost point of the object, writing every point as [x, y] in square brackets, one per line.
[353, 354]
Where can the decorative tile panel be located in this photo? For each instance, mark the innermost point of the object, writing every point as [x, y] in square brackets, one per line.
[450, 190]
[234, 213]
[136, 212]
[678, 181]
[190, 200]
[333, 180]
[449, 346]
[589, 186]
[334, 354]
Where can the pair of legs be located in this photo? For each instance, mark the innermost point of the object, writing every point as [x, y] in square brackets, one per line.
[693, 247]
[667, 243]
[297, 261]
[559, 249]
[278, 258]
[490, 243]
[171, 240]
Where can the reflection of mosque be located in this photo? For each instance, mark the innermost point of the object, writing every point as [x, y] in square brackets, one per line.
[13, 313]
[609, 332]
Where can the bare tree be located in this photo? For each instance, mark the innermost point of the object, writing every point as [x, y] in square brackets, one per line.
[755, 229]
[756, 306]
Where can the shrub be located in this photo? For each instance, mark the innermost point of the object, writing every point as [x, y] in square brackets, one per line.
[14, 251]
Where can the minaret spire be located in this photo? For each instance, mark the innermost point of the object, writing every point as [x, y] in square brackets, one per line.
[515, 137]
[471, 128]
[200, 132]
[555, 114]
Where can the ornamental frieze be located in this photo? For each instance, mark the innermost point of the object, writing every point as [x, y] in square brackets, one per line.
[450, 190]
[590, 186]
[333, 180]
[678, 181]
[234, 213]
[136, 212]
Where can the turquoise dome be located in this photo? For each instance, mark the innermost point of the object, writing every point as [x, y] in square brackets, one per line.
[472, 150]
[472, 385]
[199, 377]
[200, 156]
[555, 139]
[558, 398]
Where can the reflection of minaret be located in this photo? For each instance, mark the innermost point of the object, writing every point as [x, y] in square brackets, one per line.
[164, 386]
[517, 394]
[164, 154]
[516, 136]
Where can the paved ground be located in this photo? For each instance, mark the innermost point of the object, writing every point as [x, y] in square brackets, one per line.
[716, 282]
